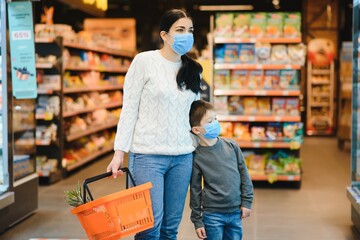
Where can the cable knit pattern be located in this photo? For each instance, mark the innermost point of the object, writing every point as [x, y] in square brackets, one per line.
[155, 113]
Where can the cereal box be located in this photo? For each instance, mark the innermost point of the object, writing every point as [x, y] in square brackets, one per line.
[250, 106]
[292, 25]
[223, 24]
[241, 25]
[236, 105]
[220, 54]
[246, 53]
[231, 53]
[289, 79]
[221, 79]
[221, 105]
[274, 26]
[226, 129]
[292, 107]
[264, 106]
[271, 79]
[258, 25]
[278, 106]
[238, 79]
[255, 79]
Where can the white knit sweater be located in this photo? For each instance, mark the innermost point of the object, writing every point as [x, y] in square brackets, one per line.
[155, 113]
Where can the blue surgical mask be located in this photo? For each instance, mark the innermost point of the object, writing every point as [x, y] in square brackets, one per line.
[212, 130]
[182, 43]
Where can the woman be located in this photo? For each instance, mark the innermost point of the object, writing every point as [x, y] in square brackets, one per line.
[154, 127]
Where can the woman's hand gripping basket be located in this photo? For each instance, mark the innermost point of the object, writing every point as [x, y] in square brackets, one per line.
[116, 215]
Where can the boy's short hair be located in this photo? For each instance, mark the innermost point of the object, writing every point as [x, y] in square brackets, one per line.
[198, 110]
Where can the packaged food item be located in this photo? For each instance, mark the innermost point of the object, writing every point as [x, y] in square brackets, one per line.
[274, 131]
[248, 156]
[231, 53]
[258, 133]
[264, 106]
[246, 53]
[257, 164]
[241, 25]
[279, 54]
[226, 129]
[255, 79]
[258, 25]
[297, 53]
[274, 26]
[242, 131]
[221, 104]
[289, 79]
[292, 25]
[238, 79]
[271, 79]
[293, 132]
[223, 24]
[250, 106]
[278, 106]
[292, 107]
[219, 53]
[236, 105]
[221, 79]
[262, 51]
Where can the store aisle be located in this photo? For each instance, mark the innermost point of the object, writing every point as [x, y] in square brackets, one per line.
[318, 211]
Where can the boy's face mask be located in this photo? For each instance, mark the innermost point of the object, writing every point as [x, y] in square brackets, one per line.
[182, 42]
[212, 130]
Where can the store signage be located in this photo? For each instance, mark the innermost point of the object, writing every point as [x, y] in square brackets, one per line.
[100, 4]
[22, 50]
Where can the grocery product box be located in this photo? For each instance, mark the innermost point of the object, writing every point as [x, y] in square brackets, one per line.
[258, 25]
[292, 25]
[274, 26]
[236, 105]
[223, 24]
[271, 79]
[289, 79]
[221, 79]
[246, 53]
[241, 25]
[238, 79]
[255, 79]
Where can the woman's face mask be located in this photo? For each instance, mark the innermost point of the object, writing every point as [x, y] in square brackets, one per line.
[182, 42]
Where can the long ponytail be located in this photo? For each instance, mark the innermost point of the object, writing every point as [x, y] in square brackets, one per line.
[189, 75]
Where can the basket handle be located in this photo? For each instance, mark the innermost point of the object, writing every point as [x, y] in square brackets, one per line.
[105, 175]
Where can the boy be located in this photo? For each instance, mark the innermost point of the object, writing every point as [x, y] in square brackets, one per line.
[227, 195]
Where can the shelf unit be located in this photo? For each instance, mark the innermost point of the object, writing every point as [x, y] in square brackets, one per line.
[81, 136]
[227, 97]
[320, 100]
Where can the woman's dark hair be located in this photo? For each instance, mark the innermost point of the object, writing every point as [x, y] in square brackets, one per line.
[189, 75]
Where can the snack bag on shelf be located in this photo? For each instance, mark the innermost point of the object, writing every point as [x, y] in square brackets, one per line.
[221, 79]
[291, 164]
[274, 27]
[231, 53]
[226, 129]
[278, 106]
[221, 104]
[271, 79]
[248, 156]
[242, 131]
[241, 25]
[289, 79]
[279, 54]
[257, 164]
[246, 53]
[250, 106]
[236, 105]
[255, 78]
[293, 132]
[274, 131]
[223, 24]
[262, 52]
[292, 25]
[258, 133]
[238, 79]
[264, 106]
[258, 25]
[220, 54]
[292, 107]
[297, 53]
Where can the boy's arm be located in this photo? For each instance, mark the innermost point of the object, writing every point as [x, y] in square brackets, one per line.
[195, 197]
[247, 189]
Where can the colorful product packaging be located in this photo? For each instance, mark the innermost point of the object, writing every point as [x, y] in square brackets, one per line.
[292, 107]
[262, 52]
[231, 53]
[271, 79]
[221, 104]
[255, 78]
[241, 131]
[289, 79]
[246, 53]
[264, 106]
[274, 131]
[236, 105]
[278, 106]
[221, 79]
[223, 24]
[258, 25]
[219, 54]
[292, 25]
[279, 54]
[241, 25]
[250, 106]
[226, 129]
[238, 79]
[274, 26]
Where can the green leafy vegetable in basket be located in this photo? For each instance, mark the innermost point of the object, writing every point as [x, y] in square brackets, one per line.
[75, 197]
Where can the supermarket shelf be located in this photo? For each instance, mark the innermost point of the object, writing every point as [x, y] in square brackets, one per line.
[320, 94]
[240, 118]
[256, 177]
[246, 92]
[255, 40]
[89, 158]
[320, 82]
[100, 49]
[98, 69]
[94, 88]
[74, 113]
[321, 72]
[241, 66]
[46, 91]
[44, 65]
[43, 116]
[75, 136]
[252, 144]
[320, 104]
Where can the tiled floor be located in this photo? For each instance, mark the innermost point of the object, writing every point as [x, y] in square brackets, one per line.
[318, 211]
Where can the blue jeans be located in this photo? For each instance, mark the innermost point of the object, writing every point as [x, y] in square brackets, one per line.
[170, 177]
[223, 226]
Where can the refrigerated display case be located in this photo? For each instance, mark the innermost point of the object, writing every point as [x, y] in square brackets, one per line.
[353, 191]
[18, 177]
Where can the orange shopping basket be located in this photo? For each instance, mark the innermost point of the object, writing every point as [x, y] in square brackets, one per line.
[116, 215]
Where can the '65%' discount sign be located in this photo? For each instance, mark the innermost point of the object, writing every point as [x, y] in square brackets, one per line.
[21, 35]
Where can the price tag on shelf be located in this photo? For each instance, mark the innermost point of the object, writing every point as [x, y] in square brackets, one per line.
[252, 40]
[277, 119]
[291, 177]
[251, 119]
[269, 145]
[285, 93]
[295, 145]
[260, 93]
[256, 144]
[259, 66]
[288, 66]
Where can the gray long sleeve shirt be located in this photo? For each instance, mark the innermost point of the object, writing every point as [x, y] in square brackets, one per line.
[227, 184]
